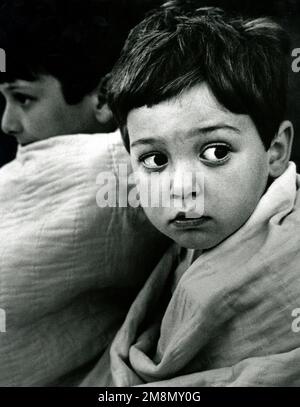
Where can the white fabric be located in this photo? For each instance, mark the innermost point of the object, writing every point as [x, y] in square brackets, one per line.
[68, 269]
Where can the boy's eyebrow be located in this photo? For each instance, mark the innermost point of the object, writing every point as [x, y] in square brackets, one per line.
[146, 140]
[215, 127]
[192, 133]
[17, 86]
[211, 128]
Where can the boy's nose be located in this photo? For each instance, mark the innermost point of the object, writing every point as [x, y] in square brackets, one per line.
[187, 189]
[186, 183]
[10, 123]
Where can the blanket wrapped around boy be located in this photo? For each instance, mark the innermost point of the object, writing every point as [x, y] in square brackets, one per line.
[230, 318]
[69, 269]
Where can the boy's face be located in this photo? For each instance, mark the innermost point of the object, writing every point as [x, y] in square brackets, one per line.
[192, 133]
[36, 110]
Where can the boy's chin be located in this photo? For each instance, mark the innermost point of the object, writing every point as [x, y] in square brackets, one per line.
[195, 242]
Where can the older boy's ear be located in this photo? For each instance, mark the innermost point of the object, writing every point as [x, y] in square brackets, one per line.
[280, 149]
[103, 113]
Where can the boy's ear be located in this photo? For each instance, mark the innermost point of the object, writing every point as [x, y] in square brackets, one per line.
[280, 149]
[100, 108]
[102, 112]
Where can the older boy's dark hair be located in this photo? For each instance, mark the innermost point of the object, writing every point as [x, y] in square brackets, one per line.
[173, 49]
[76, 41]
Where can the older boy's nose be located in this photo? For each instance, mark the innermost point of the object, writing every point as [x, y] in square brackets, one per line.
[10, 123]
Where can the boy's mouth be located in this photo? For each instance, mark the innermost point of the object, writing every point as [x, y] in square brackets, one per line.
[188, 220]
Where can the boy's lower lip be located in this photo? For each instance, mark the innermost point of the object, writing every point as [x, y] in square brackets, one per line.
[189, 223]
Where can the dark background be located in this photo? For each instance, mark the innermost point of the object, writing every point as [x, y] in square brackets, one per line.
[286, 12]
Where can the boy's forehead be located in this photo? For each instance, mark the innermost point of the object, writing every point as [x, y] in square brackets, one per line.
[193, 111]
[198, 103]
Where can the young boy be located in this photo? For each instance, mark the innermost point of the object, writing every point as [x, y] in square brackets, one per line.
[68, 269]
[199, 92]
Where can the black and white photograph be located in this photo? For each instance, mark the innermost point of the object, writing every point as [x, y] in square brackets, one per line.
[149, 197]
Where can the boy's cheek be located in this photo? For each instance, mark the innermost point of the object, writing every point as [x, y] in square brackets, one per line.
[158, 218]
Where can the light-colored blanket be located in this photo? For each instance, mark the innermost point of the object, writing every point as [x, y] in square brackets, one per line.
[68, 269]
[229, 319]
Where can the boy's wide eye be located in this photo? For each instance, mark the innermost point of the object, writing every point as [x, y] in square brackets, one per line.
[216, 153]
[154, 161]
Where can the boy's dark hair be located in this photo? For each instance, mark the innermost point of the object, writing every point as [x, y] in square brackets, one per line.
[279, 9]
[243, 62]
[76, 41]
